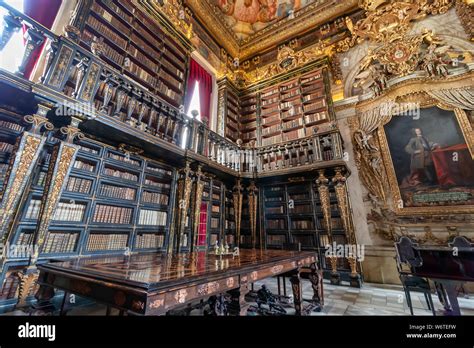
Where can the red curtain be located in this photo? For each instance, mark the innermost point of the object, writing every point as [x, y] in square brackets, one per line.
[454, 166]
[202, 231]
[44, 12]
[198, 74]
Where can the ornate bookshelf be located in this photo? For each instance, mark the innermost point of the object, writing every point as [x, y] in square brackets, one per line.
[136, 45]
[250, 130]
[293, 215]
[112, 201]
[288, 110]
[115, 200]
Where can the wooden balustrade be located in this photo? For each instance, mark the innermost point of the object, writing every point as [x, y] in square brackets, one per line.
[98, 90]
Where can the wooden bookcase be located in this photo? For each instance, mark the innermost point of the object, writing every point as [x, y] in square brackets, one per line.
[112, 202]
[249, 124]
[10, 129]
[135, 45]
[229, 218]
[218, 217]
[287, 110]
[292, 214]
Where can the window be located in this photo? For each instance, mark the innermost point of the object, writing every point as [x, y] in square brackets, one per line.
[195, 102]
[10, 57]
[194, 105]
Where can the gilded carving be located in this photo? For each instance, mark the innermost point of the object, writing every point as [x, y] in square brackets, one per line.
[90, 82]
[252, 201]
[184, 195]
[61, 162]
[28, 280]
[465, 12]
[157, 303]
[60, 69]
[339, 181]
[20, 170]
[276, 269]
[237, 200]
[323, 189]
[180, 296]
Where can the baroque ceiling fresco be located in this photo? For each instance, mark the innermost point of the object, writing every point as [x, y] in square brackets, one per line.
[247, 27]
[247, 17]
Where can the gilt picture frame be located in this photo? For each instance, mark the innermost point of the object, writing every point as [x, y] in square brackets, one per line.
[412, 189]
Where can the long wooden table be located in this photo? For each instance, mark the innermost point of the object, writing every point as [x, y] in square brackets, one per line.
[153, 284]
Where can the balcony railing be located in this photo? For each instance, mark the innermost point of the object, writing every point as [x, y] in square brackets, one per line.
[301, 152]
[99, 91]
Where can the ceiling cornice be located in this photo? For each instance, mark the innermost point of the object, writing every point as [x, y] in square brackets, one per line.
[306, 19]
[209, 18]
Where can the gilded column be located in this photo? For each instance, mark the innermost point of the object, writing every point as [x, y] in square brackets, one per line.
[184, 194]
[323, 189]
[253, 198]
[197, 205]
[237, 200]
[62, 159]
[339, 181]
[22, 163]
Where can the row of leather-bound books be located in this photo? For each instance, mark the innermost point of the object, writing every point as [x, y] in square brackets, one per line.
[107, 241]
[149, 240]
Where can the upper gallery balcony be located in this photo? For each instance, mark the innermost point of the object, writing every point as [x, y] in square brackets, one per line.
[81, 82]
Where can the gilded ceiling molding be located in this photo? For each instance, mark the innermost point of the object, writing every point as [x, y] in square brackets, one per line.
[288, 59]
[213, 19]
[289, 28]
[465, 12]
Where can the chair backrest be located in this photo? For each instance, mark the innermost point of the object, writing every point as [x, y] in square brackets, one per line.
[406, 252]
[461, 242]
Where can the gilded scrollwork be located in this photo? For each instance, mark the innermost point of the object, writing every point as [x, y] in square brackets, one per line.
[184, 195]
[61, 162]
[20, 169]
[322, 183]
[237, 200]
[339, 181]
[465, 12]
[253, 204]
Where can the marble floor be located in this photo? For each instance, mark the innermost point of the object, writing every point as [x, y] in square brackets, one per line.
[372, 299]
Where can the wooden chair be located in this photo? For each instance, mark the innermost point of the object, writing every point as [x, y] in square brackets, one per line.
[407, 255]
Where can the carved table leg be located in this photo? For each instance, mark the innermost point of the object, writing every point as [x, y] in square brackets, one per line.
[43, 296]
[64, 309]
[238, 305]
[297, 291]
[316, 279]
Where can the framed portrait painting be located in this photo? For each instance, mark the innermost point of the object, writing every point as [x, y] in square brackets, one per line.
[429, 164]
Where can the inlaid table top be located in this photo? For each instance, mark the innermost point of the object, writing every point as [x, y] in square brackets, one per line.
[156, 270]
